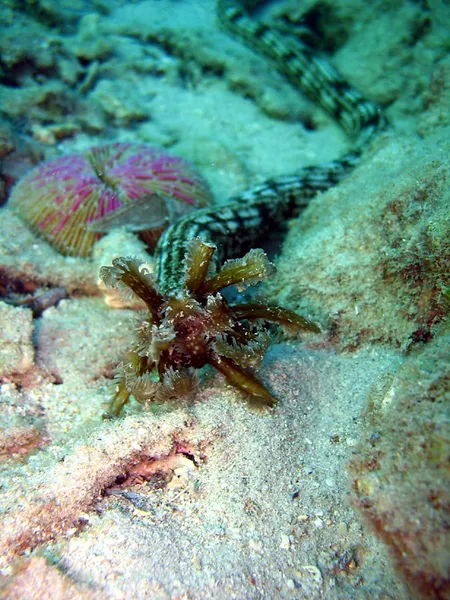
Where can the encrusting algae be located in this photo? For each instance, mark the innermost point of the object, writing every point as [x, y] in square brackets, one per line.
[196, 326]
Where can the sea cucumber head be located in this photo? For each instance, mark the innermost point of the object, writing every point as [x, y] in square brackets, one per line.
[71, 200]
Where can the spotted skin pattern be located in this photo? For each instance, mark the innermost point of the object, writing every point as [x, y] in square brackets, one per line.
[237, 225]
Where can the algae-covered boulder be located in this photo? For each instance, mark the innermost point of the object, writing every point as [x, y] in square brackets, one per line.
[370, 258]
[400, 472]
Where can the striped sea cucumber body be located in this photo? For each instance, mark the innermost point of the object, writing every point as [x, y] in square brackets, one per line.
[237, 225]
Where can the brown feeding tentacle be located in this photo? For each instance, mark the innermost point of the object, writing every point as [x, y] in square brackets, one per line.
[275, 314]
[197, 262]
[243, 379]
[248, 270]
[195, 326]
[131, 273]
[119, 400]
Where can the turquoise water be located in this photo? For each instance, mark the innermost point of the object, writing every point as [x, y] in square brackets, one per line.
[341, 489]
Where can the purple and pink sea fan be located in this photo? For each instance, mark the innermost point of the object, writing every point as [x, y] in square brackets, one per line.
[72, 200]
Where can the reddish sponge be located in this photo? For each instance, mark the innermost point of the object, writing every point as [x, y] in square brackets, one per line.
[72, 199]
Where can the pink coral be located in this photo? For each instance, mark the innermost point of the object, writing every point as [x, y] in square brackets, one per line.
[72, 199]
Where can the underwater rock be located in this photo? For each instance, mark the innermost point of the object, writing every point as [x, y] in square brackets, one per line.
[399, 472]
[22, 430]
[436, 100]
[62, 497]
[29, 263]
[89, 43]
[17, 156]
[372, 254]
[39, 573]
[16, 345]
[121, 107]
[24, 42]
